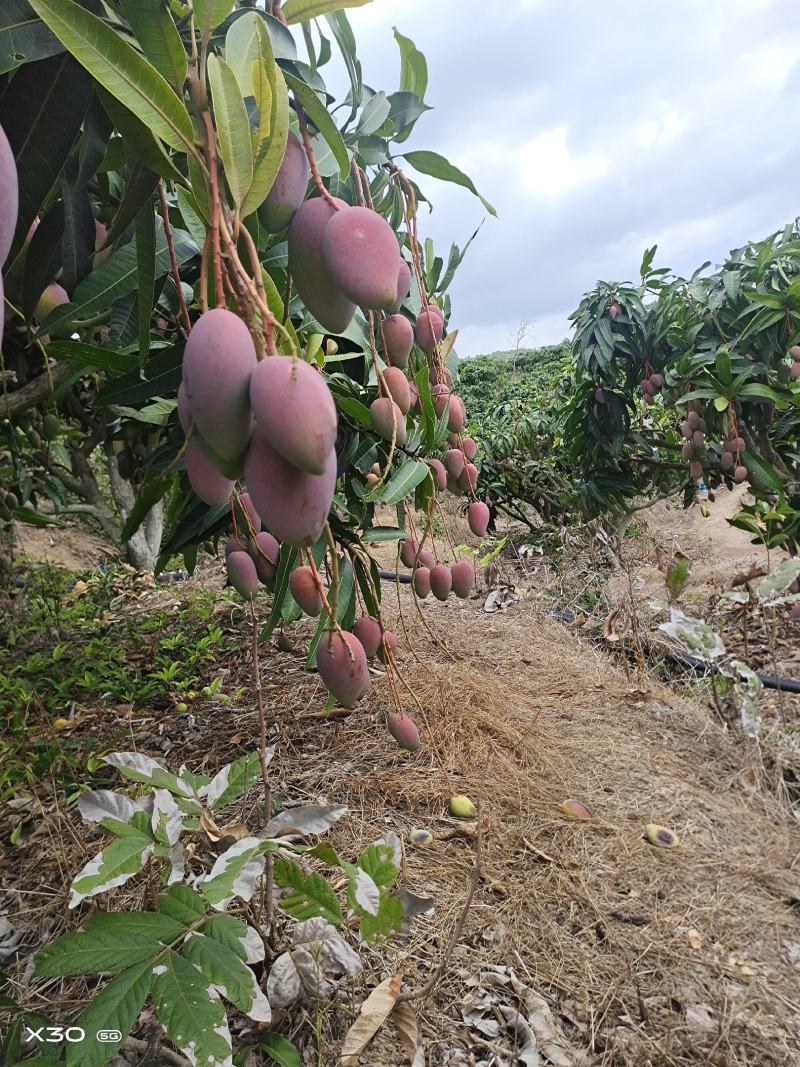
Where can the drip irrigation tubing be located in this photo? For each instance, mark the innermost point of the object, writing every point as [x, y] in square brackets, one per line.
[769, 681]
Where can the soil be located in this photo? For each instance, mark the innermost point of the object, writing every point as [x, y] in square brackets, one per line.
[617, 951]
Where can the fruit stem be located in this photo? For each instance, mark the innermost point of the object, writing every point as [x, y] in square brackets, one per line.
[312, 159]
[187, 322]
[262, 727]
[211, 151]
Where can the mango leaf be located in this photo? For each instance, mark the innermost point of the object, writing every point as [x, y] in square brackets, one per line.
[24, 38]
[233, 128]
[319, 115]
[761, 473]
[312, 896]
[286, 564]
[116, 278]
[41, 111]
[191, 1011]
[270, 149]
[116, 1007]
[161, 376]
[303, 10]
[43, 259]
[77, 245]
[120, 69]
[147, 149]
[209, 13]
[158, 35]
[437, 166]
[242, 47]
[112, 867]
[413, 67]
[404, 481]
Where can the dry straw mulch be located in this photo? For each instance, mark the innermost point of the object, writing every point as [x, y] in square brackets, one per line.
[647, 956]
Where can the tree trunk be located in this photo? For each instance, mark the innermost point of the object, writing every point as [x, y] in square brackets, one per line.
[144, 546]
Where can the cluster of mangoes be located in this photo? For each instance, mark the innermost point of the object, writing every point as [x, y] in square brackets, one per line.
[650, 385]
[431, 576]
[273, 421]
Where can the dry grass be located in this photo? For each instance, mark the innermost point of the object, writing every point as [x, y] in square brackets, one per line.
[630, 944]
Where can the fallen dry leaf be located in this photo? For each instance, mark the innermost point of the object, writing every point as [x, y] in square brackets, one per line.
[696, 939]
[405, 1019]
[374, 1013]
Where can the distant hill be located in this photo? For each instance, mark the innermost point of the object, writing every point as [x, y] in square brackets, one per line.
[528, 354]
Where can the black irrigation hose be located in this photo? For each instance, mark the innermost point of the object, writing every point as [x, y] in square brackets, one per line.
[769, 681]
[390, 576]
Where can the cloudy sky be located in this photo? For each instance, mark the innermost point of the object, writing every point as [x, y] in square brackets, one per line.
[595, 129]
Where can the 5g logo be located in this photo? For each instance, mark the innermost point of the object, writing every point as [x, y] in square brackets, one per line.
[54, 1035]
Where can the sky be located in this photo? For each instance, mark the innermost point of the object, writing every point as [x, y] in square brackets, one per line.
[596, 130]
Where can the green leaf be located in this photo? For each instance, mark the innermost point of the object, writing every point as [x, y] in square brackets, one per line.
[24, 38]
[389, 919]
[304, 10]
[437, 166]
[233, 128]
[33, 518]
[12, 1039]
[149, 151]
[286, 564]
[182, 904]
[761, 473]
[77, 246]
[120, 69]
[41, 111]
[318, 113]
[240, 938]
[158, 35]
[280, 1049]
[160, 377]
[190, 1010]
[116, 1007]
[118, 940]
[757, 391]
[112, 867]
[312, 894]
[413, 67]
[243, 46]
[209, 13]
[378, 862]
[220, 965]
[116, 278]
[145, 275]
[232, 781]
[270, 151]
[43, 259]
[721, 403]
[376, 534]
[404, 481]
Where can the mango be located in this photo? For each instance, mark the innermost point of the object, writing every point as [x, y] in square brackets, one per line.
[463, 579]
[342, 665]
[293, 505]
[422, 582]
[303, 588]
[478, 516]
[404, 730]
[9, 196]
[439, 473]
[369, 633]
[208, 483]
[397, 385]
[362, 256]
[388, 420]
[311, 277]
[289, 188]
[398, 340]
[461, 807]
[441, 581]
[242, 574]
[294, 411]
[429, 328]
[265, 552]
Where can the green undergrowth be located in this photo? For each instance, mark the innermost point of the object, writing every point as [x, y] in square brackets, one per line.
[74, 645]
